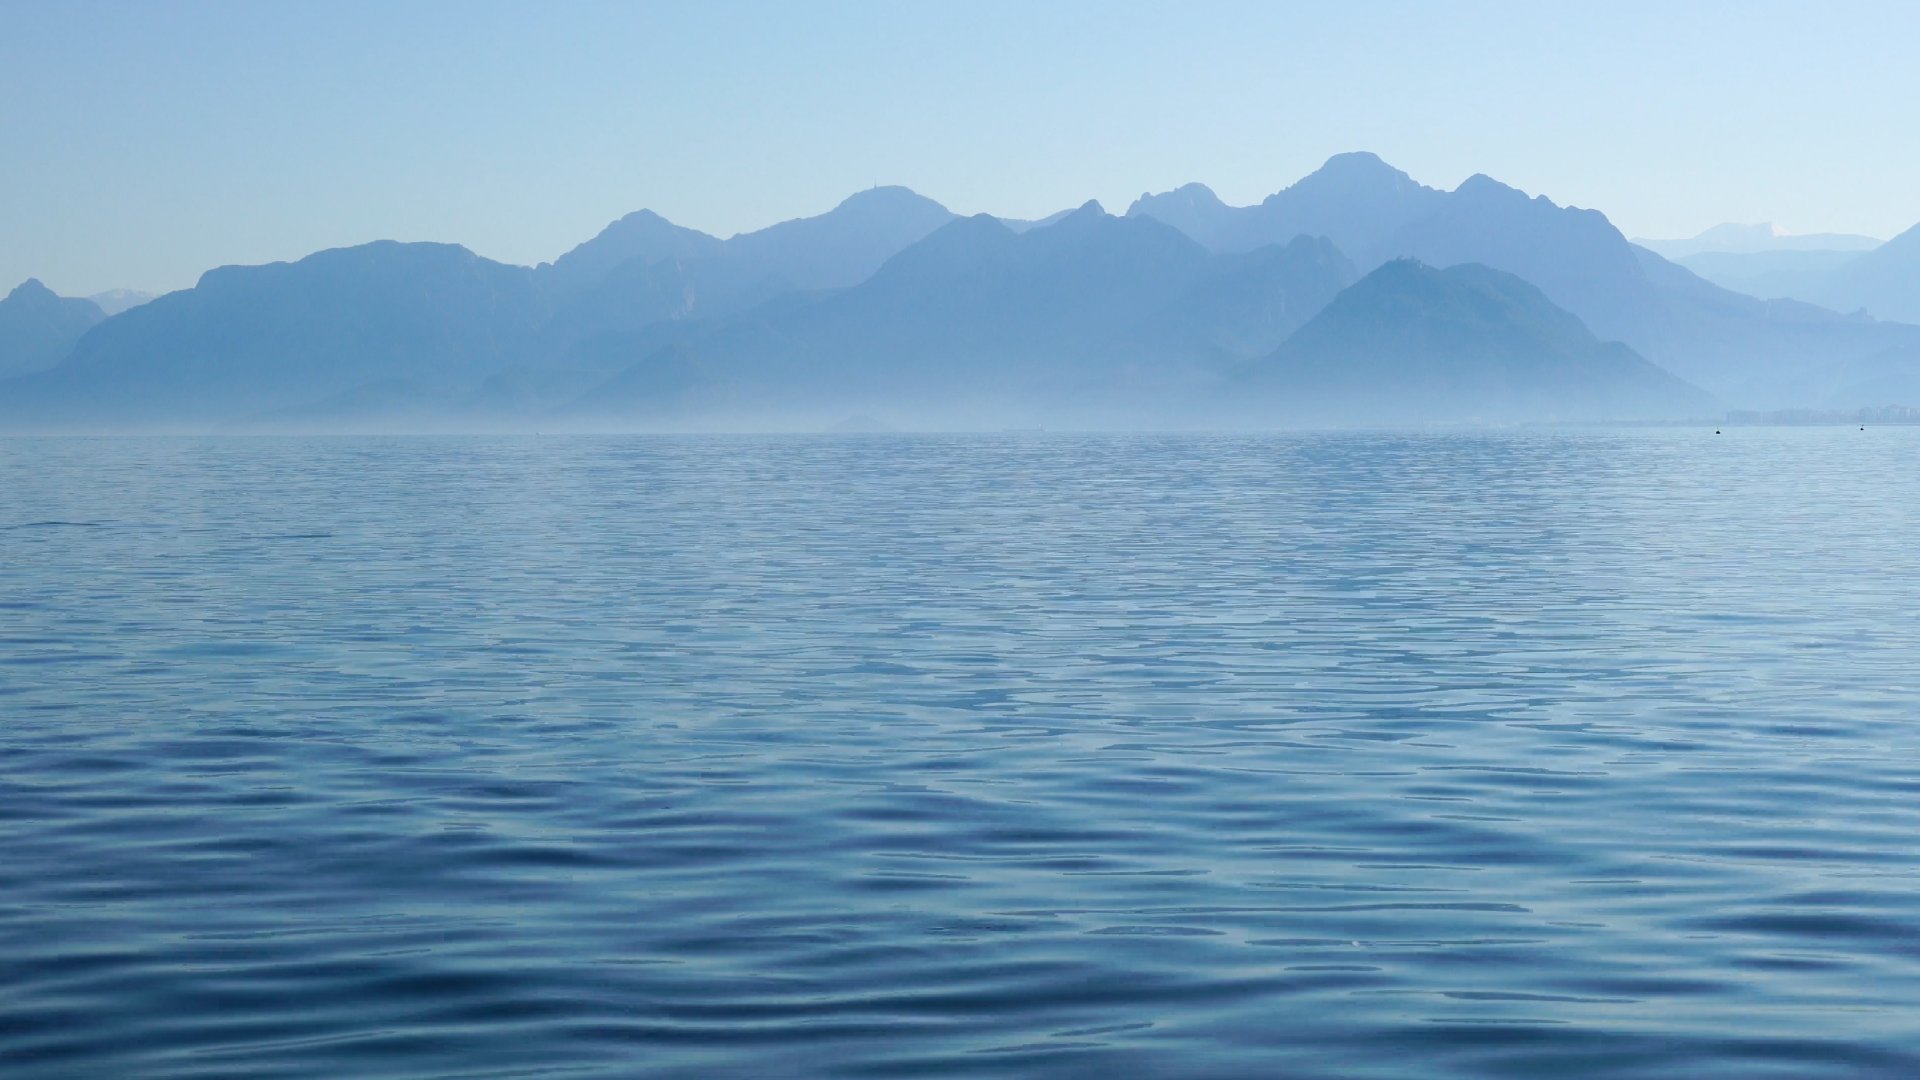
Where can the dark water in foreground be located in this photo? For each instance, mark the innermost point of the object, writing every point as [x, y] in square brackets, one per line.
[1363, 756]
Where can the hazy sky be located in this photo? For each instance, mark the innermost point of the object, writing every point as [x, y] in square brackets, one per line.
[145, 142]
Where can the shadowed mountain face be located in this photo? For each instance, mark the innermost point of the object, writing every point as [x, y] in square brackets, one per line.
[37, 328]
[1414, 343]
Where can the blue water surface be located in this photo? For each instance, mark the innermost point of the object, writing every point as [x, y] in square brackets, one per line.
[1515, 754]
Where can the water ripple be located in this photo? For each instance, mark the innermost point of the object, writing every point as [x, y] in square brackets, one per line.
[1474, 755]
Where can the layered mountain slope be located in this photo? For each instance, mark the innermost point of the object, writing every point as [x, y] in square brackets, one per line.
[427, 328]
[1092, 315]
[644, 269]
[115, 301]
[1737, 239]
[845, 245]
[888, 301]
[841, 247]
[1412, 343]
[1884, 281]
[1750, 352]
[642, 237]
[1763, 261]
[38, 328]
[1355, 200]
[1195, 210]
[1772, 275]
[248, 339]
[1576, 257]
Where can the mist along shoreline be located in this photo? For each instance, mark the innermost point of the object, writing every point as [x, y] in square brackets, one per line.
[1889, 416]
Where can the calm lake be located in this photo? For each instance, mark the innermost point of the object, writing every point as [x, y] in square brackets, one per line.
[1434, 755]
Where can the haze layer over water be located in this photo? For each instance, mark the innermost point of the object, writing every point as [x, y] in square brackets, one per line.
[1360, 755]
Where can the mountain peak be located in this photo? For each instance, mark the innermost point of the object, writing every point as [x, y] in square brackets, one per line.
[1348, 180]
[1182, 203]
[1356, 167]
[644, 223]
[1480, 185]
[845, 245]
[30, 289]
[886, 197]
[38, 328]
[1088, 215]
[1356, 161]
[642, 235]
[641, 217]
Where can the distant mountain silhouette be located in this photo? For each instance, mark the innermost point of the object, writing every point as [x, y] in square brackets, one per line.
[38, 328]
[1576, 257]
[1854, 274]
[845, 245]
[1733, 238]
[1771, 275]
[642, 237]
[1023, 224]
[644, 269]
[256, 339]
[1094, 316]
[841, 247]
[1884, 281]
[890, 305]
[1195, 210]
[1355, 200]
[1747, 351]
[115, 301]
[1762, 261]
[1375, 213]
[1413, 343]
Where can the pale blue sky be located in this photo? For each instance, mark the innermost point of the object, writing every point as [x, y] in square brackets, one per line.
[145, 142]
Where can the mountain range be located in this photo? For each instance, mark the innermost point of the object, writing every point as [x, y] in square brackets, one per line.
[1733, 238]
[1841, 271]
[1745, 350]
[1355, 295]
